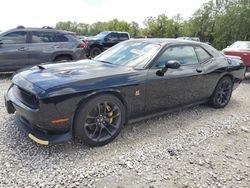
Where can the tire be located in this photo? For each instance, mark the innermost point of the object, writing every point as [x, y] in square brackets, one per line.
[95, 51]
[222, 93]
[62, 58]
[91, 121]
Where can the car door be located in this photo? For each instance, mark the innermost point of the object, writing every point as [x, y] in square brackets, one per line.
[43, 44]
[177, 87]
[110, 40]
[13, 51]
[209, 65]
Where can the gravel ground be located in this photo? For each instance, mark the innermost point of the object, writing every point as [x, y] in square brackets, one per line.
[195, 147]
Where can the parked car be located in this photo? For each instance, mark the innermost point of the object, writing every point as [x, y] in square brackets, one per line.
[22, 47]
[241, 49]
[103, 41]
[136, 79]
[190, 38]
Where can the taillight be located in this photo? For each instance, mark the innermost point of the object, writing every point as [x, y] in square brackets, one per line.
[82, 45]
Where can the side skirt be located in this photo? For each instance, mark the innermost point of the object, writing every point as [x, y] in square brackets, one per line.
[166, 112]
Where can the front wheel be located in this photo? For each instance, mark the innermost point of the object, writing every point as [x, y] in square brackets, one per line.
[100, 120]
[222, 93]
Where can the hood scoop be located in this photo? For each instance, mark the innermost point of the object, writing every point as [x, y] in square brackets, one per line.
[67, 73]
[40, 67]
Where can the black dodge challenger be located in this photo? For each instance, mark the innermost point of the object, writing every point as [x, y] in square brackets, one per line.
[136, 79]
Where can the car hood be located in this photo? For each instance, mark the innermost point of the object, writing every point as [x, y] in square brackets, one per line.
[65, 76]
[232, 50]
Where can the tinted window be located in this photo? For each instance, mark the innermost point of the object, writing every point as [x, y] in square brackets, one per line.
[46, 37]
[123, 36]
[113, 35]
[60, 38]
[202, 54]
[184, 54]
[18, 37]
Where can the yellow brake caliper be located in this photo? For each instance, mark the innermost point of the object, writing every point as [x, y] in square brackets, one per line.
[110, 113]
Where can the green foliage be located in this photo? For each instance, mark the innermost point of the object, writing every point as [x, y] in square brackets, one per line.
[220, 22]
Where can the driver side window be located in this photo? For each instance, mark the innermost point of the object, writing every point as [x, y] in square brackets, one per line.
[184, 54]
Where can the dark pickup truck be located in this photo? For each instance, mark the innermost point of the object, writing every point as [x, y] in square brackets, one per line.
[104, 40]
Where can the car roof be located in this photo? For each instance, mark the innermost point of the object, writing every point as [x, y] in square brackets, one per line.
[41, 29]
[164, 41]
[114, 32]
[242, 41]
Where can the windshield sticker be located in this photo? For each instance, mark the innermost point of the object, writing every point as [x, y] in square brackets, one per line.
[137, 52]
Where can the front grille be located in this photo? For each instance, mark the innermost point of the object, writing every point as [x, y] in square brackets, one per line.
[26, 97]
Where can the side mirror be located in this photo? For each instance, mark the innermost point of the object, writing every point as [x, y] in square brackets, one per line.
[172, 64]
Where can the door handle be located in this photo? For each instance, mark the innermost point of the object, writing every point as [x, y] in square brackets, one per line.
[56, 46]
[199, 70]
[22, 49]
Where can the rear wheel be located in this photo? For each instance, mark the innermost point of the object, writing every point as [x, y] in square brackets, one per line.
[100, 120]
[222, 93]
[62, 58]
[95, 51]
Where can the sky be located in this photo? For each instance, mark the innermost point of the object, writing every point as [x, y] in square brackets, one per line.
[38, 13]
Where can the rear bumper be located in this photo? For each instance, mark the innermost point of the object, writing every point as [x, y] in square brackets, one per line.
[80, 53]
[30, 121]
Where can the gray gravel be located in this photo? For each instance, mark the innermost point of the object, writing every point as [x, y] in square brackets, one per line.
[195, 147]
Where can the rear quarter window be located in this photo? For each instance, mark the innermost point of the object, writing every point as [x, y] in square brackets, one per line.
[123, 36]
[202, 54]
[61, 38]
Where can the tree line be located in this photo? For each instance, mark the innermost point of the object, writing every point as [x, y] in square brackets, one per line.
[220, 22]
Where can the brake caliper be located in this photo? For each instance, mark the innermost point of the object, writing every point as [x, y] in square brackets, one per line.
[110, 113]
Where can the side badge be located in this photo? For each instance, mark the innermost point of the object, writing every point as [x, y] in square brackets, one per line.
[137, 93]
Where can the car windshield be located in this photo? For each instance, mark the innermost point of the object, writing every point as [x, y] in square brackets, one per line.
[129, 53]
[241, 45]
[100, 35]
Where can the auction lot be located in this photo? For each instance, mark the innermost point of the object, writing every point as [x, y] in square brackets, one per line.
[195, 147]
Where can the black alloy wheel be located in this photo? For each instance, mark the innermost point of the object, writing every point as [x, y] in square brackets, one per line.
[222, 93]
[100, 120]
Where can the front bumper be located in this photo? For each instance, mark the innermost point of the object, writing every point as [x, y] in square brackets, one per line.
[27, 119]
[40, 137]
